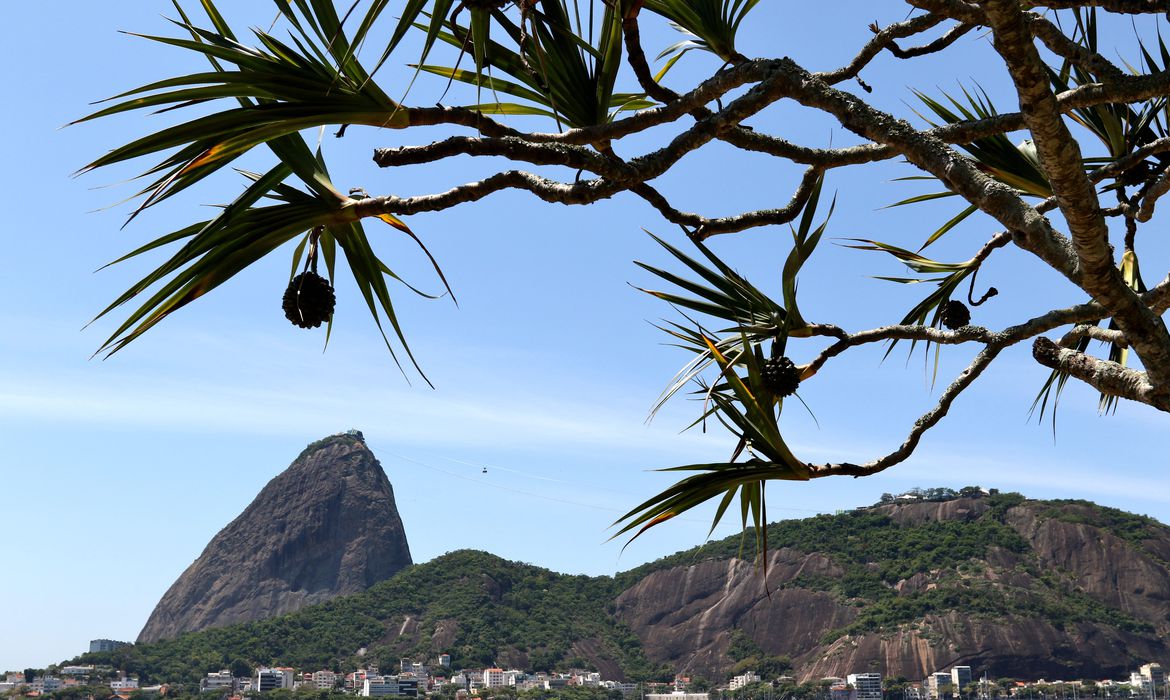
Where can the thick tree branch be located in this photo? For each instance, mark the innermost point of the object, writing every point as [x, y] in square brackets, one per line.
[511, 147]
[966, 334]
[1061, 158]
[1127, 7]
[1105, 376]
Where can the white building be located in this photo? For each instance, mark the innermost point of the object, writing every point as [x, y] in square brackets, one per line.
[1154, 676]
[937, 685]
[46, 684]
[379, 686]
[218, 680]
[960, 678]
[1141, 685]
[99, 645]
[324, 680]
[740, 681]
[124, 684]
[625, 688]
[77, 670]
[494, 678]
[677, 695]
[866, 686]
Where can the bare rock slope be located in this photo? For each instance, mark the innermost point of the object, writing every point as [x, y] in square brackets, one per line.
[324, 527]
[1028, 589]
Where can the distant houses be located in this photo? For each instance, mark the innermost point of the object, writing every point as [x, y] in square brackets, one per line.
[414, 679]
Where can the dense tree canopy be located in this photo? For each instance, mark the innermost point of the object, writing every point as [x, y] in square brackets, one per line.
[1084, 180]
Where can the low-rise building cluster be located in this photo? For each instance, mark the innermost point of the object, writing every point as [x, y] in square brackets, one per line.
[1149, 682]
[74, 677]
[413, 679]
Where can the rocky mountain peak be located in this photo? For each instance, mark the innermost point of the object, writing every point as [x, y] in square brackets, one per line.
[325, 526]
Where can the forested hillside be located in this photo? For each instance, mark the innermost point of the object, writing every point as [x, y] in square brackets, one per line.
[1017, 587]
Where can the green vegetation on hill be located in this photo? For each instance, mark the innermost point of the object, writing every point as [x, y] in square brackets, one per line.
[484, 610]
[495, 608]
[876, 553]
[1127, 526]
[863, 539]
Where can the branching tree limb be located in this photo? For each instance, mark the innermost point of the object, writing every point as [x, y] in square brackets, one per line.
[603, 143]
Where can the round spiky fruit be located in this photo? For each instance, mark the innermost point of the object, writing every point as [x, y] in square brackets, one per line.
[955, 315]
[781, 377]
[309, 300]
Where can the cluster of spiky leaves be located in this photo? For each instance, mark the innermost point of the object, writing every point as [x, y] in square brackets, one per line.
[292, 79]
[746, 395]
[565, 68]
[711, 25]
[1121, 128]
[558, 60]
[571, 82]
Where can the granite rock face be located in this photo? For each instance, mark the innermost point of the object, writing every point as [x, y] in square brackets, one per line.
[684, 616]
[324, 527]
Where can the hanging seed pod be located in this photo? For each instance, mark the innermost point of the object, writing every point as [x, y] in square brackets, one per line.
[308, 300]
[781, 377]
[955, 315]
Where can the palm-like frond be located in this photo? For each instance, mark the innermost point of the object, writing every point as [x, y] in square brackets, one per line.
[280, 89]
[740, 397]
[725, 295]
[1015, 165]
[1121, 128]
[713, 24]
[285, 89]
[948, 279]
[749, 410]
[563, 68]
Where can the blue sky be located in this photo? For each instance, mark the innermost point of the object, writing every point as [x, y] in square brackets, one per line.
[116, 473]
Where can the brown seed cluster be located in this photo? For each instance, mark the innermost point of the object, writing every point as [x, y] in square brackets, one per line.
[308, 300]
[781, 377]
[955, 315]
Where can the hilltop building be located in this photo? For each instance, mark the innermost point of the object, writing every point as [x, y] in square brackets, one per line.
[100, 645]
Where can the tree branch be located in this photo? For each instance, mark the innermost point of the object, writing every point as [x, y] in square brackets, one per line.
[951, 35]
[1104, 376]
[1061, 158]
[1085, 330]
[1126, 7]
[925, 422]
[882, 39]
